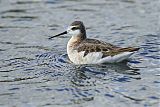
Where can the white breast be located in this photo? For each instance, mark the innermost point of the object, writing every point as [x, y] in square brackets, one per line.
[78, 57]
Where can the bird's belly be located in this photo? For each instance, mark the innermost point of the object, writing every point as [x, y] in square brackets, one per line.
[96, 57]
[79, 58]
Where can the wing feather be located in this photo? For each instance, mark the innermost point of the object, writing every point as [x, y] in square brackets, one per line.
[92, 45]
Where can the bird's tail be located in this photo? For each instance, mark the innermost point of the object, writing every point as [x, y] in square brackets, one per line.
[128, 49]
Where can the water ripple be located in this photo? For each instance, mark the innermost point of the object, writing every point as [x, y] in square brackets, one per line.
[46, 77]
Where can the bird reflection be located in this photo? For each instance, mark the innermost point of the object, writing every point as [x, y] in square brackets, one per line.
[89, 74]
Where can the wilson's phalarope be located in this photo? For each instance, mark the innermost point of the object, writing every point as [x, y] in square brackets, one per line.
[82, 50]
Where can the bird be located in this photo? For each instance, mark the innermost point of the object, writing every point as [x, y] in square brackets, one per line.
[83, 50]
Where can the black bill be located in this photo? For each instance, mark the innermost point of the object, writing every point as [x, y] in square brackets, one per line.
[65, 32]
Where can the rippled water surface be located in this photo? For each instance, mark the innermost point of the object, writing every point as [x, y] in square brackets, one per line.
[36, 72]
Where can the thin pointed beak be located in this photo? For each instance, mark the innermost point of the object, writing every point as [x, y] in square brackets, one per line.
[65, 32]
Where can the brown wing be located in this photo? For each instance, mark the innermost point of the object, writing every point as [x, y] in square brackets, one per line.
[92, 45]
[119, 50]
[98, 42]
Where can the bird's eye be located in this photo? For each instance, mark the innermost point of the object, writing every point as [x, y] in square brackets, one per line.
[74, 28]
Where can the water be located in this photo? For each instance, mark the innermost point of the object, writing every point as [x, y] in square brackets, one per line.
[36, 72]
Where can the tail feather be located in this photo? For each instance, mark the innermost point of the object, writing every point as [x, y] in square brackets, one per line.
[119, 51]
[129, 49]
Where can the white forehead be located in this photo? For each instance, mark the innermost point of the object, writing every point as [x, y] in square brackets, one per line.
[73, 32]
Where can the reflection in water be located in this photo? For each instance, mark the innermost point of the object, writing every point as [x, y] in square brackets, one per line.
[83, 73]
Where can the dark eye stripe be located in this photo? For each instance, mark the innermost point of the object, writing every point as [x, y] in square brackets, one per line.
[75, 28]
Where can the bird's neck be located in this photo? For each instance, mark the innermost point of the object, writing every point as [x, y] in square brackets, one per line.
[75, 40]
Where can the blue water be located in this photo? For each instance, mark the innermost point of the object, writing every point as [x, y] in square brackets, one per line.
[36, 72]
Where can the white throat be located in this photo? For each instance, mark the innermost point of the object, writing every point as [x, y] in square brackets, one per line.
[73, 32]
